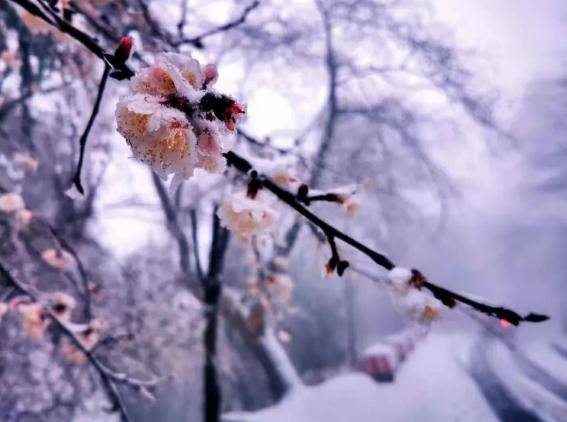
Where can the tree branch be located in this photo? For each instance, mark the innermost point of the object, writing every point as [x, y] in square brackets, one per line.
[109, 378]
[85, 135]
[447, 297]
[198, 40]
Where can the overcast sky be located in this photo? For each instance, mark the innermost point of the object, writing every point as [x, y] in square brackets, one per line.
[521, 39]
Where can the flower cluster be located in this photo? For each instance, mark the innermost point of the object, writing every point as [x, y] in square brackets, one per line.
[174, 121]
[59, 306]
[406, 294]
[247, 216]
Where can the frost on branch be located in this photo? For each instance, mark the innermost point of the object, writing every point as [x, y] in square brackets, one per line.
[409, 299]
[174, 121]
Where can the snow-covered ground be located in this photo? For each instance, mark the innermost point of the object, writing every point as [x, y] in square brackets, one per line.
[431, 386]
[549, 359]
[528, 392]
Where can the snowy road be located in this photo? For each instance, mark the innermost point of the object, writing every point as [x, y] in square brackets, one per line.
[433, 385]
[501, 400]
[450, 377]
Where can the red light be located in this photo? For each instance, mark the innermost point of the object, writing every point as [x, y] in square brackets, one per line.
[504, 323]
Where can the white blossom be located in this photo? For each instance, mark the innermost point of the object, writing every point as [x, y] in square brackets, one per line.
[247, 216]
[416, 305]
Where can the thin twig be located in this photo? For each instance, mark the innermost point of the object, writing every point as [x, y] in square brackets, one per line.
[198, 40]
[85, 135]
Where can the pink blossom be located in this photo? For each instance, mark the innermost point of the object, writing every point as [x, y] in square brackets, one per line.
[165, 124]
[35, 320]
[57, 258]
[10, 202]
[62, 305]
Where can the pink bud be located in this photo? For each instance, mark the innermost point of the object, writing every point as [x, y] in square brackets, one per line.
[230, 115]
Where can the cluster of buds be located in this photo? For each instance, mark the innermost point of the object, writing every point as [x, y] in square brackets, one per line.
[274, 287]
[174, 121]
[407, 295]
[36, 315]
[347, 197]
[36, 318]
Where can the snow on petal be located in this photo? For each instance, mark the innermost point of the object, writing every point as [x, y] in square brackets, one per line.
[399, 276]
[417, 305]
[166, 122]
[247, 216]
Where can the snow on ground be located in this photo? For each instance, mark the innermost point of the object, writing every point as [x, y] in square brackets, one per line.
[431, 386]
[527, 391]
[549, 359]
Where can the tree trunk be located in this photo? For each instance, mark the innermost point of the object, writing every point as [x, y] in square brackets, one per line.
[263, 343]
[211, 388]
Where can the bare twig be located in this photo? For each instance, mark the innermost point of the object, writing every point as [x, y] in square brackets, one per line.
[85, 135]
[198, 40]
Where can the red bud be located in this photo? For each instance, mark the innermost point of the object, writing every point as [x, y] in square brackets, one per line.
[237, 109]
[124, 49]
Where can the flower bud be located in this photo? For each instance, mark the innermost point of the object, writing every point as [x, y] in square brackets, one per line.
[124, 49]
